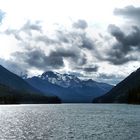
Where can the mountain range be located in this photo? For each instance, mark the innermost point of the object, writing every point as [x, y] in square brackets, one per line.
[127, 91]
[54, 87]
[69, 88]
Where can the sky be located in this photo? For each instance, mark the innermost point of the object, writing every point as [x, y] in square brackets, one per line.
[92, 39]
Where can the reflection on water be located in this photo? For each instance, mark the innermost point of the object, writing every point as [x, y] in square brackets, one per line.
[67, 121]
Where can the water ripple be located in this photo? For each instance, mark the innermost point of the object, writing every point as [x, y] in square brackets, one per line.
[70, 122]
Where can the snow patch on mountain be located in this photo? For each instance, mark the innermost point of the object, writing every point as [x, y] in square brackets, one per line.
[63, 80]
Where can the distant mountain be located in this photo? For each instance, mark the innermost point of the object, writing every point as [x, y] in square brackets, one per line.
[16, 89]
[127, 91]
[69, 88]
[63, 80]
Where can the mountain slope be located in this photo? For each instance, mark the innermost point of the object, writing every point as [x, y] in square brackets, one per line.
[12, 96]
[69, 88]
[124, 91]
[12, 80]
[12, 87]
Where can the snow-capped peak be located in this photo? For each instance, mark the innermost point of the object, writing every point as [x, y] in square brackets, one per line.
[64, 80]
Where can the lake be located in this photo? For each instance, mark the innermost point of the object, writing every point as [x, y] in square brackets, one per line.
[70, 122]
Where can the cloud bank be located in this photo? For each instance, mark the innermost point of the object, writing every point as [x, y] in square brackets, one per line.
[77, 49]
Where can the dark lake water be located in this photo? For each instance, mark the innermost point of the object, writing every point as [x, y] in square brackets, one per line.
[70, 122]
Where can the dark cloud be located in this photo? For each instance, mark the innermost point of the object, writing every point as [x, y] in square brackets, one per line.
[75, 57]
[2, 14]
[110, 78]
[78, 74]
[124, 45]
[117, 58]
[78, 39]
[80, 24]
[130, 12]
[38, 59]
[91, 69]
[127, 40]
[87, 68]
[68, 46]
[64, 53]
[63, 36]
[116, 32]
[86, 42]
